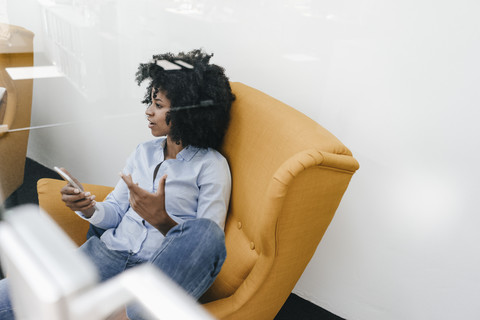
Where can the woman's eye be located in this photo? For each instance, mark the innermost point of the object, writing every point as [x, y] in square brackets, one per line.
[157, 105]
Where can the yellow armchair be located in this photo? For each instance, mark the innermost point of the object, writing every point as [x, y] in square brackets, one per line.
[288, 177]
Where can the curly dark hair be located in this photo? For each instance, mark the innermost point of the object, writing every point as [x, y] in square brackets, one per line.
[200, 97]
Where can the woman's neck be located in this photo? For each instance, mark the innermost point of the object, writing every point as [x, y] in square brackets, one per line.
[172, 148]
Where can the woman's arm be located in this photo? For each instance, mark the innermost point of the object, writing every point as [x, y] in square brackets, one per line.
[106, 214]
[214, 184]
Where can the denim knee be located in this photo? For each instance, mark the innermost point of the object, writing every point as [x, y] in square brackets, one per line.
[192, 255]
[202, 234]
[202, 228]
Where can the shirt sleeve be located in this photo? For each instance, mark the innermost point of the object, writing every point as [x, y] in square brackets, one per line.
[214, 194]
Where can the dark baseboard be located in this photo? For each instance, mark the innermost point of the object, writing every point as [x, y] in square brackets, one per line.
[297, 308]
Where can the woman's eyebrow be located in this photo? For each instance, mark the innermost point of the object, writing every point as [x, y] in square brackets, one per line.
[155, 97]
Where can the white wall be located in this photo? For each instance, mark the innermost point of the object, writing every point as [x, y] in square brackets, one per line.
[396, 81]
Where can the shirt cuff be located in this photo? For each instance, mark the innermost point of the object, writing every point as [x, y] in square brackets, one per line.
[96, 217]
[176, 219]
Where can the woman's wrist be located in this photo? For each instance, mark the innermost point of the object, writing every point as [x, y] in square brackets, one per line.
[88, 213]
[165, 225]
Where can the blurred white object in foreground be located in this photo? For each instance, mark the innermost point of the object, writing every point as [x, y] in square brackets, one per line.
[51, 280]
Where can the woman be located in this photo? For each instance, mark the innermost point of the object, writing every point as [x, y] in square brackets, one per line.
[169, 207]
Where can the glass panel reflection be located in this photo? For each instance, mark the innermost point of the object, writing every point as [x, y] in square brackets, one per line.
[16, 50]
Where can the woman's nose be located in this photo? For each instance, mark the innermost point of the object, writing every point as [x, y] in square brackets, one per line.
[149, 110]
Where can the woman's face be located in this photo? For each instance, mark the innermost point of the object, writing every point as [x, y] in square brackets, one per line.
[157, 112]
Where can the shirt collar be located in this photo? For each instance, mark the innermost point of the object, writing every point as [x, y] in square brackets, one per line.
[185, 154]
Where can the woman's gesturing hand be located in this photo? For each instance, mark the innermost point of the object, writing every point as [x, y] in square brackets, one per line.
[150, 206]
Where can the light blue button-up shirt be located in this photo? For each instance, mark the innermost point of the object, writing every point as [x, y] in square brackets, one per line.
[198, 186]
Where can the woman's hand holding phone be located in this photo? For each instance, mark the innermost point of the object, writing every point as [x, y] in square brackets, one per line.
[74, 195]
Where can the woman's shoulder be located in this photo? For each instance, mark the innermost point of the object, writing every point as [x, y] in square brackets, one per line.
[213, 166]
[211, 154]
[152, 144]
[207, 158]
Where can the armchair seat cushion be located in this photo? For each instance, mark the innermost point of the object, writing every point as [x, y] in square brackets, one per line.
[50, 200]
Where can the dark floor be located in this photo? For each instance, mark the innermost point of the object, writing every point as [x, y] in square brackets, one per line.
[295, 308]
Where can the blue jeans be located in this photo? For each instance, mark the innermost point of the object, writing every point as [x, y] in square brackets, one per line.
[191, 254]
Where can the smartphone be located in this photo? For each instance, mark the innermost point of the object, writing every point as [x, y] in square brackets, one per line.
[67, 178]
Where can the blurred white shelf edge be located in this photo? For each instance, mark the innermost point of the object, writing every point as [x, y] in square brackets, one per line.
[22, 73]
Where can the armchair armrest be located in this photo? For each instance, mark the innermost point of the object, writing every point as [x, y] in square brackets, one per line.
[50, 200]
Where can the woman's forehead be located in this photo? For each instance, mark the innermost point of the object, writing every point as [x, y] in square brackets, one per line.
[158, 90]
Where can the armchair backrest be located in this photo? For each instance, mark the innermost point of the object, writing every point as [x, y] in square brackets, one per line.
[289, 175]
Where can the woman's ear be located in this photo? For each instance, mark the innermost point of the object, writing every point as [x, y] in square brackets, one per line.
[167, 118]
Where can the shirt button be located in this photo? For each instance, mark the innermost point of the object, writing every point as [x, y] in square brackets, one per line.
[252, 245]
[239, 225]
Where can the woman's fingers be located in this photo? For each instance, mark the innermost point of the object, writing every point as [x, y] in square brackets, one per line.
[82, 204]
[134, 188]
[161, 185]
[73, 194]
[127, 178]
[77, 200]
[87, 202]
[68, 189]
